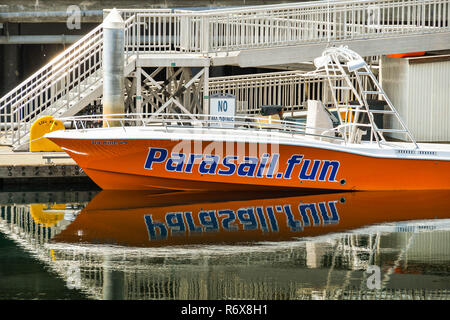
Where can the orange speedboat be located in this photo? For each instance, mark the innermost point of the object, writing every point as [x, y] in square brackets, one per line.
[147, 219]
[197, 152]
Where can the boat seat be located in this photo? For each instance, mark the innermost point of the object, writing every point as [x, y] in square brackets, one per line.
[318, 120]
[271, 110]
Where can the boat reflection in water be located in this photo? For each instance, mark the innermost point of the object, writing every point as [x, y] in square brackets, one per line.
[186, 245]
[145, 219]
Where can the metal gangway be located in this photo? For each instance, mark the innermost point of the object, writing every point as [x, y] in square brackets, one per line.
[262, 36]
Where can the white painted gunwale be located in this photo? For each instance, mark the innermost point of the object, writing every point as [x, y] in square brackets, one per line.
[369, 149]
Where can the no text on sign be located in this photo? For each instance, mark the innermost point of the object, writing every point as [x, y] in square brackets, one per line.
[222, 107]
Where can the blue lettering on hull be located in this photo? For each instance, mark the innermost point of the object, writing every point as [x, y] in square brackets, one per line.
[244, 219]
[251, 167]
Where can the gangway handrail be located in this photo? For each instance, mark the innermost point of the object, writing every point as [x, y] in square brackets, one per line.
[49, 83]
[275, 7]
[11, 103]
[51, 63]
[211, 31]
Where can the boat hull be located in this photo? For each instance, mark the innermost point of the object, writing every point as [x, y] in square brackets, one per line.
[139, 219]
[148, 163]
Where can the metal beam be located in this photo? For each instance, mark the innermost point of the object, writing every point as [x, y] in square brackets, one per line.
[367, 47]
[172, 60]
[49, 16]
[39, 39]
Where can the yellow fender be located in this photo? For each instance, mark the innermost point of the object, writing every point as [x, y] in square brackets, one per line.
[43, 215]
[40, 127]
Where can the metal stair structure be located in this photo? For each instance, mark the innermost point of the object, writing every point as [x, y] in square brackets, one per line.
[63, 87]
[262, 36]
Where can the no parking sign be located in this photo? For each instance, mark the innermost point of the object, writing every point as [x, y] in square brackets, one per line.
[222, 107]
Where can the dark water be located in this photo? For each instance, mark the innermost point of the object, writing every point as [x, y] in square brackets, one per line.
[140, 245]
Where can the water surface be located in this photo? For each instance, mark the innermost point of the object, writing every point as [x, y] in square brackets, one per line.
[192, 245]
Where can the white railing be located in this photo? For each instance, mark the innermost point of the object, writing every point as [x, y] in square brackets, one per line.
[214, 31]
[54, 82]
[58, 84]
[127, 13]
[290, 89]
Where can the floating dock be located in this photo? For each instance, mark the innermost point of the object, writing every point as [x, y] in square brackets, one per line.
[28, 168]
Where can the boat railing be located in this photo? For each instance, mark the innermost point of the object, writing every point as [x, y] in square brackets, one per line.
[195, 121]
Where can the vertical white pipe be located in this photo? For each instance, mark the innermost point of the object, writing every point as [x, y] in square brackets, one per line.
[206, 91]
[113, 64]
[138, 90]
